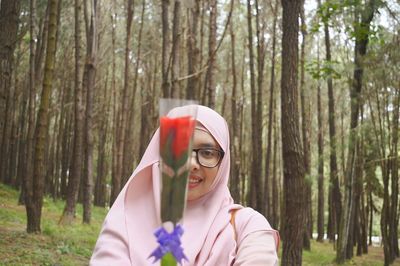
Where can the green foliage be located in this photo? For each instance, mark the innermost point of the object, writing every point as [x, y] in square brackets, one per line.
[323, 69]
[355, 30]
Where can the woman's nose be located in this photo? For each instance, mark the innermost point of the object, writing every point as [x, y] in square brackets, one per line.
[194, 164]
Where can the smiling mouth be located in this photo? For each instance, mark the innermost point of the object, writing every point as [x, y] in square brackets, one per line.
[194, 182]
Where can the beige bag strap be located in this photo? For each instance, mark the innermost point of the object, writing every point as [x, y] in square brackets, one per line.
[233, 214]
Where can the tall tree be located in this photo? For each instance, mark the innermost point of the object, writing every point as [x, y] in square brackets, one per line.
[209, 82]
[293, 162]
[235, 173]
[334, 194]
[193, 51]
[255, 194]
[321, 192]
[26, 181]
[74, 178]
[165, 48]
[130, 148]
[305, 128]
[9, 14]
[89, 83]
[394, 211]
[257, 161]
[102, 163]
[34, 208]
[123, 111]
[276, 202]
[362, 28]
[176, 50]
[267, 189]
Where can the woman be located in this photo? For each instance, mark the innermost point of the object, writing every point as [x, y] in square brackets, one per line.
[217, 231]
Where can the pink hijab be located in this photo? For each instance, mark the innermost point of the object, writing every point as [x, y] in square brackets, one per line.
[127, 234]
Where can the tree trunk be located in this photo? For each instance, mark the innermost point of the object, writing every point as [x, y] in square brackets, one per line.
[255, 194]
[130, 149]
[305, 128]
[394, 217]
[362, 27]
[66, 146]
[90, 70]
[77, 158]
[21, 168]
[212, 44]
[267, 189]
[176, 50]
[293, 161]
[276, 202]
[123, 112]
[200, 87]
[193, 52]
[257, 166]
[34, 210]
[165, 48]
[321, 192]
[114, 104]
[9, 13]
[358, 193]
[10, 168]
[102, 164]
[335, 197]
[235, 173]
[64, 112]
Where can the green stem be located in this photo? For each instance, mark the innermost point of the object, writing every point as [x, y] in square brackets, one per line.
[168, 260]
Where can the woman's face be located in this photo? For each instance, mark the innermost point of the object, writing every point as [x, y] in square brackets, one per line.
[201, 178]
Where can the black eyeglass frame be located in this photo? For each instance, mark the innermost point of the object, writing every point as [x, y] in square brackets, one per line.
[221, 152]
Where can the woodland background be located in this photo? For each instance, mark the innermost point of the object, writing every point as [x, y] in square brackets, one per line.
[310, 90]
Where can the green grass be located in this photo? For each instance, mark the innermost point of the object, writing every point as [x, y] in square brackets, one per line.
[73, 245]
[57, 245]
[324, 254]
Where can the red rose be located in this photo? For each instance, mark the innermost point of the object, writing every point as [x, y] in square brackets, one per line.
[176, 133]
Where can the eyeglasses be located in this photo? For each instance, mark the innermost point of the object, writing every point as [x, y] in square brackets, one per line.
[208, 157]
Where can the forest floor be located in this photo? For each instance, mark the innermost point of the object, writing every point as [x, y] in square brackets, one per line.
[73, 245]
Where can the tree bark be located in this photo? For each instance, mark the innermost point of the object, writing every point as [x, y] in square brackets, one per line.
[102, 164]
[10, 167]
[335, 197]
[321, 192]
[394, 217]
[267, 189]
[235, 173]
[193, 52]
[255, 195]
[66, 145]
[9, 14]
[77, 158]
[305, 128]
[123, 111]
[276, 202]
[293, 161]
[130, 149]
[212, 44]
[90, 71]
[165, 48]
[176, 49]
[21, 168]
[362, 27]
[258, 161]
[34, 210]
